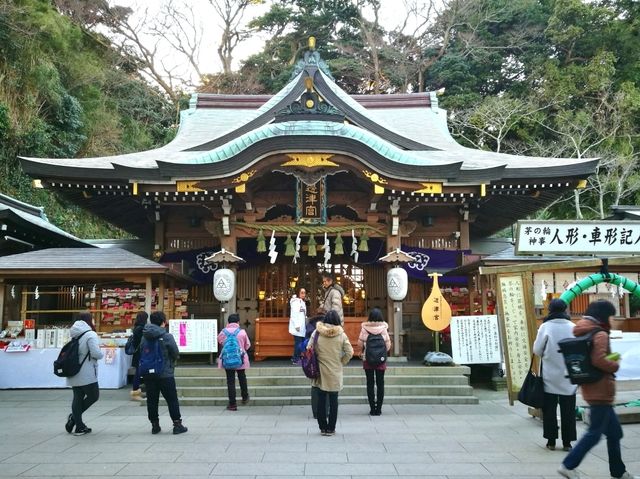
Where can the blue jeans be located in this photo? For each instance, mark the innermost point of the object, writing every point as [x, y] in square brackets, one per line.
[603, 421]
[297, 347]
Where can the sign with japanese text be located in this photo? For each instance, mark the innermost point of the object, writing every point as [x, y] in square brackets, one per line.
[311, 202]
[578, 237]
[475, 340]
[513, 314]
[195, 335]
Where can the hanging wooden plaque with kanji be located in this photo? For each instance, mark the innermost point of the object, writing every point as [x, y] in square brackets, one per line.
[436, 312]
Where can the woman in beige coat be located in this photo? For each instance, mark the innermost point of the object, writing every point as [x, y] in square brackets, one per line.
[333, 350]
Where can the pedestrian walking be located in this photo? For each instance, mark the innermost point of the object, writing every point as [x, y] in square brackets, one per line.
[333, 351]
[158, 356]
[558, 389]
[297, 323]
[234, 359]
[84, 384]
[600, 396]
[374, 334]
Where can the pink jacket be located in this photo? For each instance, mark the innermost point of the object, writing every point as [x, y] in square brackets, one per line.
[373, 327]
[243, 340]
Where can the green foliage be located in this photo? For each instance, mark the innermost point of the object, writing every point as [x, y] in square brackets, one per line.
[62, 94]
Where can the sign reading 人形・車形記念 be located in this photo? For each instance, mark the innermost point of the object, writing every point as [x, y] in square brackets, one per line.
[578, 237]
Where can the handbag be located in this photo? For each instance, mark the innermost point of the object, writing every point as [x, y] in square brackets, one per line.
[532, 390]
[130, 348]
[309, 360]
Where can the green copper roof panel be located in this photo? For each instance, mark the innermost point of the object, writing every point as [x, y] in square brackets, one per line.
[313, 128]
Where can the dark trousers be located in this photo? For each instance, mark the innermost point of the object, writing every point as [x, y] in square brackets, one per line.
[567, 417]
[231, 385]
[331, 399]
[166, 386]
[375, 403]
[297, 347]
[603, 421]
[83, 398]
[136, 380]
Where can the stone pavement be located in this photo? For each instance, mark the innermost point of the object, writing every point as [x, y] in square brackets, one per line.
[488, 440]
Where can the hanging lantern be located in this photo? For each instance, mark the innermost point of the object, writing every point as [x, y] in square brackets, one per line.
[312, 246]
[224, 283]
[339, 249]
[262, 246]
[289, 247]
[397, 283]
[364, 245]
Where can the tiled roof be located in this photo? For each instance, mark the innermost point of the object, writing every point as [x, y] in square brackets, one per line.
[79, 259]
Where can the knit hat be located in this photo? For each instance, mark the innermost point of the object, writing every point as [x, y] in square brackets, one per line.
[557, 306]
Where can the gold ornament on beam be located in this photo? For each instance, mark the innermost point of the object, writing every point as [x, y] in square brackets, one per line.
[429, 188]
[309, 160]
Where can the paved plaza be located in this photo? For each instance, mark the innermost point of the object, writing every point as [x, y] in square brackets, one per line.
[491, 439]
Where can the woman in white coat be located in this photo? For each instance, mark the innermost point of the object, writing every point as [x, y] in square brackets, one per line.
[85, 383]
[557, 387]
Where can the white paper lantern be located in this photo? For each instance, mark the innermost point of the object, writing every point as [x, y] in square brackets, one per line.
[397, 283]
[224, 284]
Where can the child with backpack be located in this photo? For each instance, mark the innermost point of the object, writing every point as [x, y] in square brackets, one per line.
[158, 355]
[233, 358]
[85, 383]
[374, 342]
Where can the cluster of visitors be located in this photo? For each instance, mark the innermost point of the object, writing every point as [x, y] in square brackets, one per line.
[599, 395]
[155, 352]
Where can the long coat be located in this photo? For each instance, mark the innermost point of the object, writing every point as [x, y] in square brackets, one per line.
[554, 370]
[88, 344]
[333, 300]
[333, 351]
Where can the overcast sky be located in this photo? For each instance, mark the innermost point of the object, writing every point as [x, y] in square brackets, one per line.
[391, 15]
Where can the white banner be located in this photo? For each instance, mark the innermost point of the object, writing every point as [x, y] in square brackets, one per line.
[578, 237]
[475, 340]
[195, 335]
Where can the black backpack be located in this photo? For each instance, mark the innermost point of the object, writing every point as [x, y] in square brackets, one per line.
[375, 350]
[68, 362]
[577, 358]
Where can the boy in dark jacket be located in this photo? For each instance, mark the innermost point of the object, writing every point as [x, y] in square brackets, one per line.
[163, 381]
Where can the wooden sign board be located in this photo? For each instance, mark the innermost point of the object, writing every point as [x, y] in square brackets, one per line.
[517, 322]
[195, 335]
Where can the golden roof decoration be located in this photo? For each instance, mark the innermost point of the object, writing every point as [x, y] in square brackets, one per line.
[309, 160]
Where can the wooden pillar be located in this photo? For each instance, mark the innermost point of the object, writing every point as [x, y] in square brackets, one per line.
[147, 295]
[464, 234]
[160, 305]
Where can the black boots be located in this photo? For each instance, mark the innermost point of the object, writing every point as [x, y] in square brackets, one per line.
[155, 427]
[178, 428]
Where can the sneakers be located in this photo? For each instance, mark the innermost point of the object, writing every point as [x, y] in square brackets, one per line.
[568, 473]
[626, 475]
[155, 427]
[232, 407]
[245, 400]
[70, 423]
[551, 445]
[82, 431]
[137, 395]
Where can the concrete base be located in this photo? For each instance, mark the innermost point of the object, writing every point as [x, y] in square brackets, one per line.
[499, 383]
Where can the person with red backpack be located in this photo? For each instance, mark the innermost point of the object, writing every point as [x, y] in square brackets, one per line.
[374, 342]
[233, 358]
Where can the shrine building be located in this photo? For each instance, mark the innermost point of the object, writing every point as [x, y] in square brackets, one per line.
[282, 180]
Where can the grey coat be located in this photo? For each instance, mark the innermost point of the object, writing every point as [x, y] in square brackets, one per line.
[333, 300]
[170, 352]
[90, 344]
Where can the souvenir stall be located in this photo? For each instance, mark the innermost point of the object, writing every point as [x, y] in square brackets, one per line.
[42, 292]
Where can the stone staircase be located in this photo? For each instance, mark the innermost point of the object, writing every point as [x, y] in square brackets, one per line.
[287, 385]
